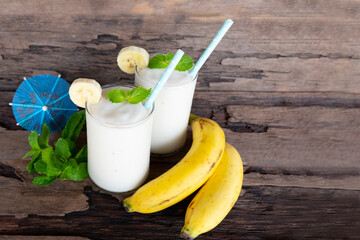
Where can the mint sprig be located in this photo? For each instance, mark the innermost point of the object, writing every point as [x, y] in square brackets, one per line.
[134, 96]
[64, 159]
[162, 61]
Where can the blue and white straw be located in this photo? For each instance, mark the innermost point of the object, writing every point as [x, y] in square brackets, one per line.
[163, 79]
[211, 47]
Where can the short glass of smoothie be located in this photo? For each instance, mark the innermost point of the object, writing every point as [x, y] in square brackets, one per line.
[172, 108]
[118, 138]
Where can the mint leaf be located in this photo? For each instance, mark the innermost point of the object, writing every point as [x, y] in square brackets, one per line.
[65, 175]
[134, 96]
[57, 163]
[62, 149]
[74, 126]
[33, 140]
[185, 63]
[138, 95]
[81, 172]
[43, 180]
[127, 94]
[69, 169]
[72, 146]
[32, 152]
[116, 95]
[48, 157]
[168, 57]
[72, 163]
[43, 139]
[36, 157]
[75, 172]
[158, 61]
[53, 161]
[40, 167]
[47, 154]
[75, 134]
[162, 61]
[81, 156]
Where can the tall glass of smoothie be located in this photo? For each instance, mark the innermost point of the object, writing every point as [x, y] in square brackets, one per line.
[118, 138]
[172, 108]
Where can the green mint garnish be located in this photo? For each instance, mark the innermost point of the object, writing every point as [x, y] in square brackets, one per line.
[74, 171]
[134, 96]
[162, 61]
[62, 149]
[64, 159]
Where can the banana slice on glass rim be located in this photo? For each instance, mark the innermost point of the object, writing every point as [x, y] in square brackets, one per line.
[84, 90]
[131, 56]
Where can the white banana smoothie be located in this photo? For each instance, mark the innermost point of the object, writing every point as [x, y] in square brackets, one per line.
[172, 108]
[118, 139]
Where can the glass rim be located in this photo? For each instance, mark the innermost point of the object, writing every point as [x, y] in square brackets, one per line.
[123, 125]
[182, 85]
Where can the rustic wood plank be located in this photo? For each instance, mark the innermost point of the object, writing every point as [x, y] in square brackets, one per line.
[312, 43]
[295, 213]
[19, 197]
[260, 177]
[19, 237]
[308, 138]
[292, 73]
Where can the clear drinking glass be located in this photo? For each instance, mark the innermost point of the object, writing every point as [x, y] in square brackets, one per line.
[171, 114]
[118, 155]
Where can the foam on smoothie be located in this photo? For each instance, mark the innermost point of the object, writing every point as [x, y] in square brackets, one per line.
[177, 78]
[118, 113]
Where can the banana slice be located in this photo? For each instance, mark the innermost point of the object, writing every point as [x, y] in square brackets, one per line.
[131, 56]
[84, 90]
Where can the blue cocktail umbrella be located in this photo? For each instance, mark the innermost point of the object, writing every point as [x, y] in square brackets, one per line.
[43, 99]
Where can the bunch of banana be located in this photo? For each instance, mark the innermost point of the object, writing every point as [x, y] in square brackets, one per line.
[187, 175]
[209, 160]
[216, 198]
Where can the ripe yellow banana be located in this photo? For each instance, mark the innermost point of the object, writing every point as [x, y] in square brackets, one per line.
[187, 175]
[216, 198]
[84, 90]
[129, 57]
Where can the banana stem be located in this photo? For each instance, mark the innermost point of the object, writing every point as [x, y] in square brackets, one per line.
[127, 206]
[188, 233]
[192, 118]
[186, 236]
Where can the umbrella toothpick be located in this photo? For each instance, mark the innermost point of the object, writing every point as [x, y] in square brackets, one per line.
[42, 99]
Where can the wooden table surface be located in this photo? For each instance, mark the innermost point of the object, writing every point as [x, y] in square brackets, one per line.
[284, 84]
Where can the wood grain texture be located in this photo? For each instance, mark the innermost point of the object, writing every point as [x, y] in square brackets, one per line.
[281, 211]
[19, 237]
[324, 206]
[273, 45]
[283, 84]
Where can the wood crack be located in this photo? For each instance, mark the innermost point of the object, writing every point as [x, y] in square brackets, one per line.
[243, 127]
[9, 172]
[299, 172]
[336, 209]
[222, 116]
[293, 55]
